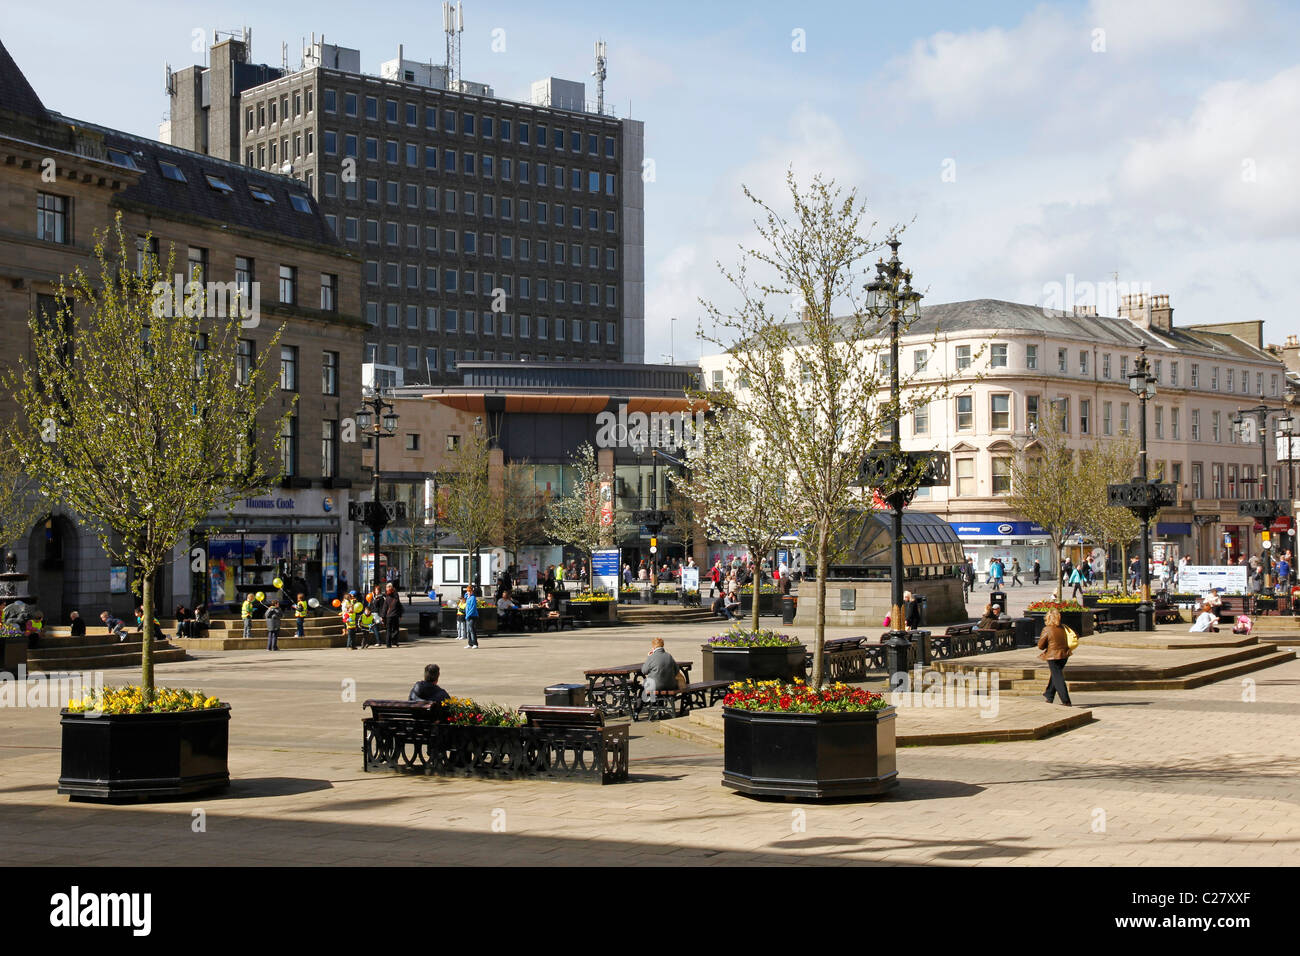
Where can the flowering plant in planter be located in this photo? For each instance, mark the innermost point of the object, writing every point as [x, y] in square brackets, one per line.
[665, 589]
[1118, 599]
[744, 637]
[763, 589]
[463, 712]
[589, 598]
[1042, 606]
[131, 700]
[800, 698]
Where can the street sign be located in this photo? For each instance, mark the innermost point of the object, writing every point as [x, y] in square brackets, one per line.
[1140, 496]
[1265, 508]
[882, 465]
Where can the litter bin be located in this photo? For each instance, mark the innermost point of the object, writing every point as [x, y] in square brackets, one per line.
[921, 600]
[15, 654]
[787, 608]
[920, 647]
[1000, 599]
[1023, 628]
[566, 695]
[429, 623]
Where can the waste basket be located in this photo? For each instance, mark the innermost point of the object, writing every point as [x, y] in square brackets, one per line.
[921, 601]
[1023, 627]
[429, 623]
[1000, 599]
[920, 647]
[566, 695]
[787, 609]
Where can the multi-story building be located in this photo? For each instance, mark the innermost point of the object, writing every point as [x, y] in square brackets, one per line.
[490, 230]
[63, 181]
[1025, 362]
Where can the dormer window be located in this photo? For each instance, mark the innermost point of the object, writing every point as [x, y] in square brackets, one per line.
[171, 171]
[261, 195]
[299, 202]
[218, 183]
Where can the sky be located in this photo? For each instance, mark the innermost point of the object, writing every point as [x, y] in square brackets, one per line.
[1030, 150]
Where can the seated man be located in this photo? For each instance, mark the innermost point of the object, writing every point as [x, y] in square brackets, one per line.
[733, 604]
[428, 688]
[720, 607]
[508, 616]
[660, 669]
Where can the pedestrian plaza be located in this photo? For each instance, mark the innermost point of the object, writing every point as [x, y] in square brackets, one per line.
[1202, 776]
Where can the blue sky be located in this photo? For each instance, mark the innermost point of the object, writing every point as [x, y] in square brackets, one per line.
[1028, 146]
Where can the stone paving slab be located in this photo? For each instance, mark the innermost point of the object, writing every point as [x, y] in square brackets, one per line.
[1189, 778]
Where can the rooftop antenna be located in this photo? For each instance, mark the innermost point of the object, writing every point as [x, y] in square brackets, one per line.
[284, 56]
[599, 74]
[453, 24]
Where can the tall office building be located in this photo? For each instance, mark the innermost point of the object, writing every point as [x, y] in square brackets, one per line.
[489, 229]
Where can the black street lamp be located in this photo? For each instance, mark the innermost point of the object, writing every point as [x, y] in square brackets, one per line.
[1264, 507]
[1286, 429]
[891, 293]
[377, 420]
[1143, 384]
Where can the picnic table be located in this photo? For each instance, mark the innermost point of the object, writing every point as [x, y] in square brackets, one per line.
[618, 690]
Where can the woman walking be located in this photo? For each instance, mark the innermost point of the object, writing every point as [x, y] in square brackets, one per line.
[1077, 581]
[1056, 650]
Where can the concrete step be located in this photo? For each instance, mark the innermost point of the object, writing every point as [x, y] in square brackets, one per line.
[287, 641]
[1186, 682]
[102, 658]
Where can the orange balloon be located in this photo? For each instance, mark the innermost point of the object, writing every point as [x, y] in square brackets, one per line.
[368, 598]
[338, 603]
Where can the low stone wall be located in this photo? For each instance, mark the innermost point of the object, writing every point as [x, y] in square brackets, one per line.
[944, 603]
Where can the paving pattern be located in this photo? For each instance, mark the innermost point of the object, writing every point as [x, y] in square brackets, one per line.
[1194, 777]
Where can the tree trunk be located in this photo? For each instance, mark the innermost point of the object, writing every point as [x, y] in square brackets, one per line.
[1056, 564]
[755, 582]
[819, 626]
[146, 628]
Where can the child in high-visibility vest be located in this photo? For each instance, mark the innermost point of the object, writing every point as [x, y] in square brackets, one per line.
[460, 616]
[246, 612]
[300, 613]
[367, 621]
[345, 615]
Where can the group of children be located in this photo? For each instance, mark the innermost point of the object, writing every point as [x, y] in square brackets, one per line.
[358, 620]
[273, 616]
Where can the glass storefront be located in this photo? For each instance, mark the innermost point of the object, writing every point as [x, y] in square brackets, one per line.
[247, 562]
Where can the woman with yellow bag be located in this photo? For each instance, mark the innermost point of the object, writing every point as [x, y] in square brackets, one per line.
[1055, 644]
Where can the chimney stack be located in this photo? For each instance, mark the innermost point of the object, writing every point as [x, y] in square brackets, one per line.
[1153, 313]
[1085, 310]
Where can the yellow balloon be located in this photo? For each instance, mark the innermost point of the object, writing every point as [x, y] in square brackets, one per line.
[278, 583]
[261, 595]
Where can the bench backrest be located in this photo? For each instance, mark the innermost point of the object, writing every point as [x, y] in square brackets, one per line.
[405, 709]
[545, 715]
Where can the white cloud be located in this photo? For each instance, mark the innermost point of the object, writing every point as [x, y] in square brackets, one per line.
[1232, 166]
[1140, 28]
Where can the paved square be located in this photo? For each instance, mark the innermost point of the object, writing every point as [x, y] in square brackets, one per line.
[1200, 777]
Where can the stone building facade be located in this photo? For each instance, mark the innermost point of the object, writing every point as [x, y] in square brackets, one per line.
[62, 181]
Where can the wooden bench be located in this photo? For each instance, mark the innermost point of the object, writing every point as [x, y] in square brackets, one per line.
[557, 621]
[956, 630]
[571, 743]
[704, 694]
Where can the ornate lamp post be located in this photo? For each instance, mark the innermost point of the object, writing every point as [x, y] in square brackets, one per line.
[890, 293]
[1140, 496]
[1263, 508]
[375, 419]
[1286, 430]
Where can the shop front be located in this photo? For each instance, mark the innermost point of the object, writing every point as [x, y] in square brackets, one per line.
[300, 536]
[1012, 541]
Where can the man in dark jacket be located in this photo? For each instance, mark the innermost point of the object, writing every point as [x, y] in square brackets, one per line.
[660, 669]
[428, 688]
[390, 609]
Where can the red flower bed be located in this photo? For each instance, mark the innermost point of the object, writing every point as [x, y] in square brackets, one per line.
[800, 698]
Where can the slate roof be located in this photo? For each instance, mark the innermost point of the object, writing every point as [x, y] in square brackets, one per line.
[16, 94]
[992, 315]
[196, 197]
